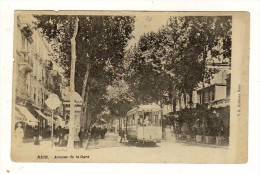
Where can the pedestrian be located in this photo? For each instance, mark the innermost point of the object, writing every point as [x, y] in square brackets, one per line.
[103, 132]
[81, 136]
[56, 134]
[98, 131]
[184, 128]
[19, 134]
[147, 122]
[36, 136]
[62, 133]
[122, 135]
[93, 132]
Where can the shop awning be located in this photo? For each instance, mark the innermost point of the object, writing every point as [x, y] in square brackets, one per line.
[45, 117]
[30, 119]
[19, 117]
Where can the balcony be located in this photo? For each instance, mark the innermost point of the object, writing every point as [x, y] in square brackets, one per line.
[22, 95]
[25, 62]
[49, 86]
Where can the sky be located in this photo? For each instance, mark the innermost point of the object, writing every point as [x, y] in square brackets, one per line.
[145, 24]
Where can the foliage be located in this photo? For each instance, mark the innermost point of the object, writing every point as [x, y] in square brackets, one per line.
[119, 99]
[100, 44]
[176, 56]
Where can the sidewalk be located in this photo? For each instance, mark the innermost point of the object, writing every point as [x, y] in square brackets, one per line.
[30, 140]
[169, 137]
[192, 143]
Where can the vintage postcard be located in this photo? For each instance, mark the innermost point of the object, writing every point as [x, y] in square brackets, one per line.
[130, 87]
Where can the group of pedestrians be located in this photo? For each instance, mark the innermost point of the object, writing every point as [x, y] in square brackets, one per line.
[61, 136]
[19, 134]
[95, 132]
[98, 131]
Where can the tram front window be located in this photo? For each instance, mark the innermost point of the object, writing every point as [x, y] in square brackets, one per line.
[147, 122]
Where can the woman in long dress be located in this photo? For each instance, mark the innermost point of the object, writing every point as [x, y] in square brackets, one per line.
[19, 134]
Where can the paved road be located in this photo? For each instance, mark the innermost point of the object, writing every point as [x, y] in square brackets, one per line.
[110, 150]
[110, 140]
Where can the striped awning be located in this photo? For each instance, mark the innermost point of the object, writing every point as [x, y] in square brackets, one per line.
[45, 117]
[19, 117]
[29, 118]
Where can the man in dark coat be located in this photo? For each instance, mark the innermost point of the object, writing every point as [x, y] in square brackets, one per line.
[93, 132]
[81, 136]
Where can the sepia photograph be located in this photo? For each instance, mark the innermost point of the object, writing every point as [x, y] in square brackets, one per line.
[130, 87]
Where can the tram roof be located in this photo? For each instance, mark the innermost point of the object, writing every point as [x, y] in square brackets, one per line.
[146, 108]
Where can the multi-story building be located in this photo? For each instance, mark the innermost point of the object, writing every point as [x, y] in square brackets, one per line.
[215, 94]
[34, 75]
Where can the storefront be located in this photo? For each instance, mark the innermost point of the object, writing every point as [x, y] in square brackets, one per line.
[23, 116]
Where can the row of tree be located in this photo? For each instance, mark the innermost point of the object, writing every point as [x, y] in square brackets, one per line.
[110, 76]
[173, 60]
[99, 45]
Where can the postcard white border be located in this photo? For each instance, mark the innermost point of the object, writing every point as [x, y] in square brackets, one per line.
[6, 50]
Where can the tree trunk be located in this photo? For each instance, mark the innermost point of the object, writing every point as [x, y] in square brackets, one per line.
[84, 95]
[173, 101]
[88, 117]
[85, 110]
[203, 87]
[191, 102]
[179, 100]
[185, 99]
[72, 84]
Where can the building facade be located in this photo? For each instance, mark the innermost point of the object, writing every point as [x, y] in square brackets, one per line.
[34, 76]
[214, 94]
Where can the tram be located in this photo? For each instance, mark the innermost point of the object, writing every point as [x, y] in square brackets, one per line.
[144, 123]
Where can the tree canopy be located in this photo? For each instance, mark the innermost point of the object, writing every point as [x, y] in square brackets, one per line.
[175, 56]
[100, 44]
[109, 75]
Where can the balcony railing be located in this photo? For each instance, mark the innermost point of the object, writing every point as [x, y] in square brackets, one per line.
[22, 95]
[25, 61]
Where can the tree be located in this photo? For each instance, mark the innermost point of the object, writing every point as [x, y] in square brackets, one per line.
[169, 59]
[147, 76]
[119, 99]
[100, 44]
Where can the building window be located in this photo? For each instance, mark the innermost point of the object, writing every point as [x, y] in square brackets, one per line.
[206, 96]
[213, 94]
[200, 98]
[228, 84]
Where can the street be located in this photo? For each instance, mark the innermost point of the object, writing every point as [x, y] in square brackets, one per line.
[143, 88]
[110, 150]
